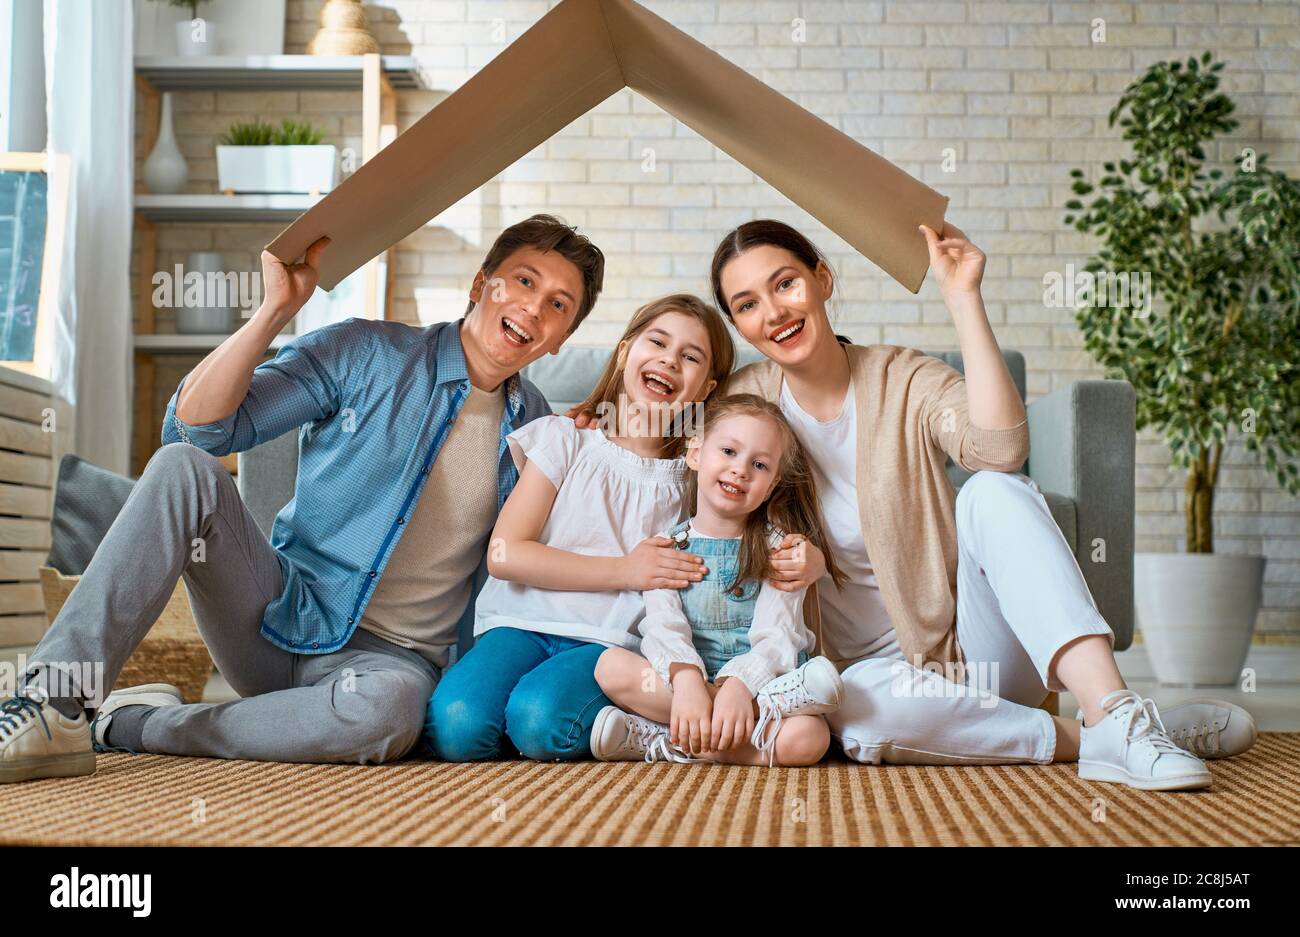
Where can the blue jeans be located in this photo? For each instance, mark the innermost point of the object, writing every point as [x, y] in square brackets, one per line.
[537, 691]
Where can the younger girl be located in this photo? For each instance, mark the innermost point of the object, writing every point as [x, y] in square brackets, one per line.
[569, 556]
[728, 648]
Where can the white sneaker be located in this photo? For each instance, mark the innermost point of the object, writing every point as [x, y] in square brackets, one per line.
[1130, 746]
[1210, 728]
[814, 689]
[624, 736]
[146, 694]
[38, 741]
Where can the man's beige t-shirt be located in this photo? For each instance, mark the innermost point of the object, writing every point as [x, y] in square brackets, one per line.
[426, 585]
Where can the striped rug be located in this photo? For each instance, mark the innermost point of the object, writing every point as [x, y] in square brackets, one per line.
[156, 799]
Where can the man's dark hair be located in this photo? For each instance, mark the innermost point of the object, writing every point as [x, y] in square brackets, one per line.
[548, 233]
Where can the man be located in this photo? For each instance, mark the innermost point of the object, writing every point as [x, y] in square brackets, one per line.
[336, 631]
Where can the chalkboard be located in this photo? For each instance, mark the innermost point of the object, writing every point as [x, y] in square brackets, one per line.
[23, 197]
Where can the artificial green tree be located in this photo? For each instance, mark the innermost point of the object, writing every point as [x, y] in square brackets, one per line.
[1219, 351]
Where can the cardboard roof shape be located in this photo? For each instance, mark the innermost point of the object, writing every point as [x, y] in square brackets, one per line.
[574, 57]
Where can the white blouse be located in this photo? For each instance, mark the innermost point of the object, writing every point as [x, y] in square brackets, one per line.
[607, 501]
[854, 619]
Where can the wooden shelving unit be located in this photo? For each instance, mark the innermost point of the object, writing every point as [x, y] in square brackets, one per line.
[377, 77]
[270, 72]
[192, 344]
[202, 208]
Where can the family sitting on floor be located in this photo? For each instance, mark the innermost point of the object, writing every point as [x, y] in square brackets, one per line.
[692, 565]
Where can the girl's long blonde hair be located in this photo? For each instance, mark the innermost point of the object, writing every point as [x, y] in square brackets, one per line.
[792, 507]
[610, 391]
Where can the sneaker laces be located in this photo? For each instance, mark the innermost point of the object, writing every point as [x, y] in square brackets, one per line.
[1142, 722]
[661, 750]
[771, 712]
[18, 711]
[641, 732]
[1202, 740]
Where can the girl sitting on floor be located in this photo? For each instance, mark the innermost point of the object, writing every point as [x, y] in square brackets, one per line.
[723, 673]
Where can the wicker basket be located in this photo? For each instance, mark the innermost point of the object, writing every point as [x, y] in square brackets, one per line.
[172, 652]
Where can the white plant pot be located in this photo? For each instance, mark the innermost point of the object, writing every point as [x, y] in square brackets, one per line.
[308, 169]
[188, 45]
[1196, 612]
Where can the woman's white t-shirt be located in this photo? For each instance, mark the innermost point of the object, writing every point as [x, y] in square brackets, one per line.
[854, 619]
[607, 501]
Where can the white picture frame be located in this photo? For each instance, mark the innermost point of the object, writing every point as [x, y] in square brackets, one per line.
[57, 168]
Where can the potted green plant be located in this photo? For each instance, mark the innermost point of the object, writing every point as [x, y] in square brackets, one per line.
[192, 36]
[1214, 357]
[259, 157]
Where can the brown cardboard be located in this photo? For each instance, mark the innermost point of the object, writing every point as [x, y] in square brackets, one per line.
[574, 57]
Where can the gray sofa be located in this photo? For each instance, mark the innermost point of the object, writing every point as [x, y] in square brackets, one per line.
[1081, 454]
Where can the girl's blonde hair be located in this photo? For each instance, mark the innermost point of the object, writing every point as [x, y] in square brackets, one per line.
[792, 507]
[609, 389]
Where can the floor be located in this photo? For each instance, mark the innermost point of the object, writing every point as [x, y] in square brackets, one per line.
[1275, 702]
[169, 800]
[158, 799]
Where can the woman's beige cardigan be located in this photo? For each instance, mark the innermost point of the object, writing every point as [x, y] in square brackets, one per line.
[911, 411]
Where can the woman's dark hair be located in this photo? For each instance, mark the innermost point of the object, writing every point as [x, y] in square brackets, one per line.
[757, 233]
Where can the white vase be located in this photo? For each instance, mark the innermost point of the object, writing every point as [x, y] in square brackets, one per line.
[211, 317]
[1196, 612]
[196, 37]
[165, 171]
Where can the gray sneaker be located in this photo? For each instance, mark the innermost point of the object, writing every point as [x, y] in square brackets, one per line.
[38, 741]
[1209, 728]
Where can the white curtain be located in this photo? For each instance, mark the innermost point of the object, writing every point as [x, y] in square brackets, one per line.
[90, 109]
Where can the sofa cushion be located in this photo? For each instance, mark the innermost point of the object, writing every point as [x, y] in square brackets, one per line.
[266, 478]
[87, 499]
[1065, 513]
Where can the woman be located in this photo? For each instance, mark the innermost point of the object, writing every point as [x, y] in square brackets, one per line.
[985, 578]
[961, 612]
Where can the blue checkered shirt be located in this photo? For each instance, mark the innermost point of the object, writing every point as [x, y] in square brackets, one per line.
[372, 402]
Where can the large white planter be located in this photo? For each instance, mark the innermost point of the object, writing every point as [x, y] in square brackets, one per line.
[1197, 613]
[310, 169]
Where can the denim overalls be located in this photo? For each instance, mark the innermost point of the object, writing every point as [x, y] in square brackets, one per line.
[719, 618]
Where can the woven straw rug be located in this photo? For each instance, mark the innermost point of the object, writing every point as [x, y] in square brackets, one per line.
[157, 799]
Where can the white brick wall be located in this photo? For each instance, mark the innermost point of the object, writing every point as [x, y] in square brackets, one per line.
[1016, 89]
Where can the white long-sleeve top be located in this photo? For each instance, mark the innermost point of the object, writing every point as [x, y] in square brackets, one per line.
[776, 635]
